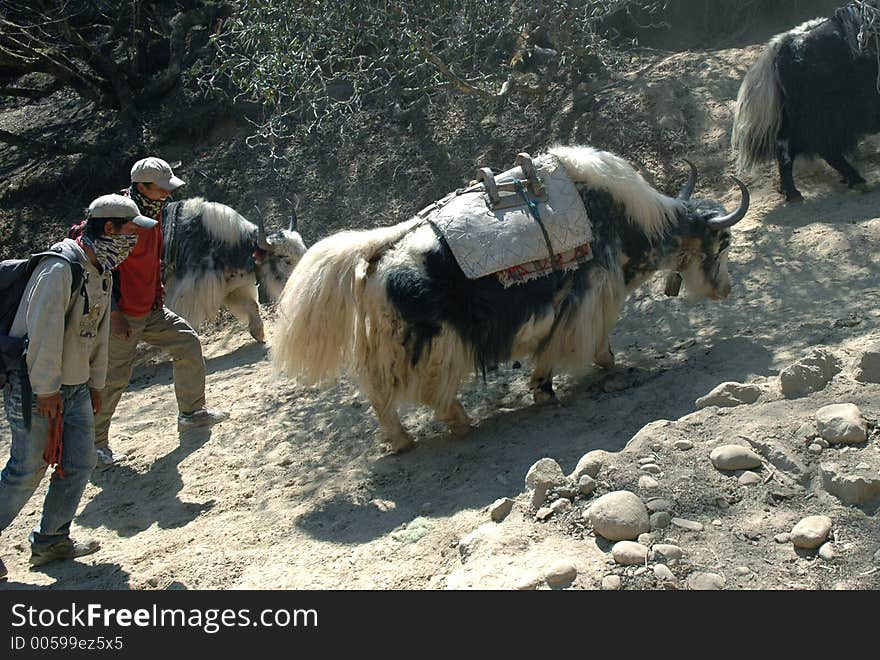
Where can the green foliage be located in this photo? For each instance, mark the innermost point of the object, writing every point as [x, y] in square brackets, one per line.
[312, 65]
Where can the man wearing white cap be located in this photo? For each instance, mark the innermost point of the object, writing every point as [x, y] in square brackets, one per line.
[139, 314]
[63, 314]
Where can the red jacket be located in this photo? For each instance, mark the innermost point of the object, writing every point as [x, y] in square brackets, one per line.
[138, 282]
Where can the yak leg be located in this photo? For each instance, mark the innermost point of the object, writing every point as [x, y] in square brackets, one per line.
[850, 175]
[242, 302]
[785, 156]
[541, 383]
[398, 439]
[455, 416]
[604, 355]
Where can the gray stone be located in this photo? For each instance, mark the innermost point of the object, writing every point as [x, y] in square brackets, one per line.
[841, 423]
[561, 505]
[729, 394]
[667, 552]
[543, 513]
[749, 478]
[641, 570]
[662, 573]
[568, 491]
[826, 551]
[560, 574]
[528, 582]
[815, 448]
[651, 468]
[647, 459]
[734, 457]
[783, 537]
[867, 365]
[683, 445]
[742, 570]
[619, 516]
[656, 504]
[811, 532]
[545, 474]
[806, 431]
[646, 539]
[470, 542]
[647, 482]
[660, 520]
[500, 508]
[700, 581]
[689, 525]
[590, 464]
[586, 485]
[611, 583]
[629, 553]
[809, 374]
[850, 486]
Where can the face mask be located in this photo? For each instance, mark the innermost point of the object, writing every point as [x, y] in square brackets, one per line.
[110, 250]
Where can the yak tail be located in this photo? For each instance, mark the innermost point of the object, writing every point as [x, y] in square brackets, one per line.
[758, 112]
[319, 316]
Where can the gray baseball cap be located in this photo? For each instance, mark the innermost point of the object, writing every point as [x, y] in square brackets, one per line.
[117, 206]
[155, 170]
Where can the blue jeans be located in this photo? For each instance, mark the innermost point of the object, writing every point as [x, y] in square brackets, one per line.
[26, 466]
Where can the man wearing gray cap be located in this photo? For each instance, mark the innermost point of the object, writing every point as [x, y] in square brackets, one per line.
[139, 314]
[64, 324]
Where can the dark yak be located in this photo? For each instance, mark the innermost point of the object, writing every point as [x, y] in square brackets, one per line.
[813, 91]
[213, 257]
[393, 307]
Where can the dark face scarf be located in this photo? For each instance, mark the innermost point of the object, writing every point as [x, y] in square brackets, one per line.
[111, 249]
[149, 207]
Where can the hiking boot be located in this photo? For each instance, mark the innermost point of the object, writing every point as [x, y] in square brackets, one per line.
[66, 549]
[201, 417]
[107, 457]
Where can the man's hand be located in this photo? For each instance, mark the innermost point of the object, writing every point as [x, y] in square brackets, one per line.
[96, 400]
[50, 406]
[119, 325]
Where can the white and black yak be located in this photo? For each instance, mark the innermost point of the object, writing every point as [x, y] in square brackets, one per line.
[213, 257]
[813, 91]
[392, 307]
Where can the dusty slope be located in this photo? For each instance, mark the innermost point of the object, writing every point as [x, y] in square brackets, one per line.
[293, 492]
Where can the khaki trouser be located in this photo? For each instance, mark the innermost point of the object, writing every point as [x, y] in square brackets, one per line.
[166, 330]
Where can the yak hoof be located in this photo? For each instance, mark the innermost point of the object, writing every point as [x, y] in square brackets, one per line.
[259, 335]
[400, 445]
[606, 360]
[793, 197]
[543, 395]
[460, 428]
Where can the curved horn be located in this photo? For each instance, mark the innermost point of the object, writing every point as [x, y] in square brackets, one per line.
[262, 243]
[293, 220]
[732, 218]
[688, 188]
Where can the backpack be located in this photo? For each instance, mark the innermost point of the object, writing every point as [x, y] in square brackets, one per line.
[14, 277]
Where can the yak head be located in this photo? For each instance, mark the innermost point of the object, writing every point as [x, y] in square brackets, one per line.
[276, 256]
[704, 242]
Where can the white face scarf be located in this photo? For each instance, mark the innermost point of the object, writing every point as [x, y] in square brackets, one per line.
[111, 249]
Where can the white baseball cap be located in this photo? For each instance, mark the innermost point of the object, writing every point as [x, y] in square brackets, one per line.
[155, 170]
[117, 206]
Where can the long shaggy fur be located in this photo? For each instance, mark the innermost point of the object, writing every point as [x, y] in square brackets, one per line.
[648, 209]
[319, 315]
[758, 112]
[222, 223]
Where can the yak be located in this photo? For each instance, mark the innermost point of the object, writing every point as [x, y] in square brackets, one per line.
[392, 307]
[813, 91]
[213, 257]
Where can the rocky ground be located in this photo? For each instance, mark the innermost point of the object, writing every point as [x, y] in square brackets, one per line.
[294, 491]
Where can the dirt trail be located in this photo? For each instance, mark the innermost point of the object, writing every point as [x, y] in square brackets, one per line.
[294, 492]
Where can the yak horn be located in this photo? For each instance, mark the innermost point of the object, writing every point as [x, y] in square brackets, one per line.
[731, 219]
[688, 188]
[294, 223]
[262, 242]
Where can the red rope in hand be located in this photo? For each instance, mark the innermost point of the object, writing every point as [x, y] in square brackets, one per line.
[52, 455]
